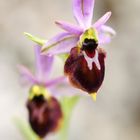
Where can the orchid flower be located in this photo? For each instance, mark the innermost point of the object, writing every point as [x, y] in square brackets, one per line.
[43, 65]
[83, 13]
[85, 66]
[45, 113]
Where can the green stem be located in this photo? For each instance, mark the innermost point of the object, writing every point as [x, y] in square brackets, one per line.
[68, 104]
[64, 130]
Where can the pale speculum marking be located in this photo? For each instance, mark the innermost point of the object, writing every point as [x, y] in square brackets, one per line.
[91, 60]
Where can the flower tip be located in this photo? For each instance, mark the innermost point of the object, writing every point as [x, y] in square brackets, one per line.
[109, 13]
[114, 33]
[93, 95]
[57, 22]
[35, 39]
[27, 35]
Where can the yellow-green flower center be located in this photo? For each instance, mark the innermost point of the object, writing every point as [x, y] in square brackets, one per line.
[90, 33]
[37, 90]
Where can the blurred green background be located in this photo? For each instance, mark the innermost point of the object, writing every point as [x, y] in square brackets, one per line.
[116, 113]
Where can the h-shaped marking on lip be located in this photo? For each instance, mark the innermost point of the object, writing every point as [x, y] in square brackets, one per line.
[91, 60]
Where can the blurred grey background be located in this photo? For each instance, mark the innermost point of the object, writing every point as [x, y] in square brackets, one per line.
[116, 113]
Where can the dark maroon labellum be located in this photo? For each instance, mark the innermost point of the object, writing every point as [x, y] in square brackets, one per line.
[45, 115]
[78, 71]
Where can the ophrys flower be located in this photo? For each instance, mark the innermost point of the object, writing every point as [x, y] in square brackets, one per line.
[45, 114]
[85, 66]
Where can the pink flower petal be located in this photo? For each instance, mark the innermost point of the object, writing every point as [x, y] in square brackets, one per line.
[107, 29]
[105, 34]
[62, 43]
[55, 81]
[76, 30]
[104, 39]
[64, 47]
[43, 64]
[83, 12]
[102, 20]
[51, 42]
[27, 77]
[64, 88]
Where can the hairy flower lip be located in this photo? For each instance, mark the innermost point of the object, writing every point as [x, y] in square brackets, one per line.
[80, 75]
[44, 115]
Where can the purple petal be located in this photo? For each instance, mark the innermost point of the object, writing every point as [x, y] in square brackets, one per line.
[43, 64]
[64, 46]
[76, 30]
[108, 30]
[65, 89]
[62, 43]
[83, 12]
[104, 39]
[102, 20]
[105, 34]
[26, 76]
[51, 42]
[55, 81]
[55, 39]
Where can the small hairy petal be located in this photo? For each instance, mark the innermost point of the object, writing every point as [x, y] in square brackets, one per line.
[27, 77]
[108, 30]
[43, 64]
[73, 29]
[105, 34]
[104, 39]
[102, 20]
[62, 45]
[83, 12]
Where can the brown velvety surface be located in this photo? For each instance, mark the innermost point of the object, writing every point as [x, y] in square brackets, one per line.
[44, 115]
[80, 75]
